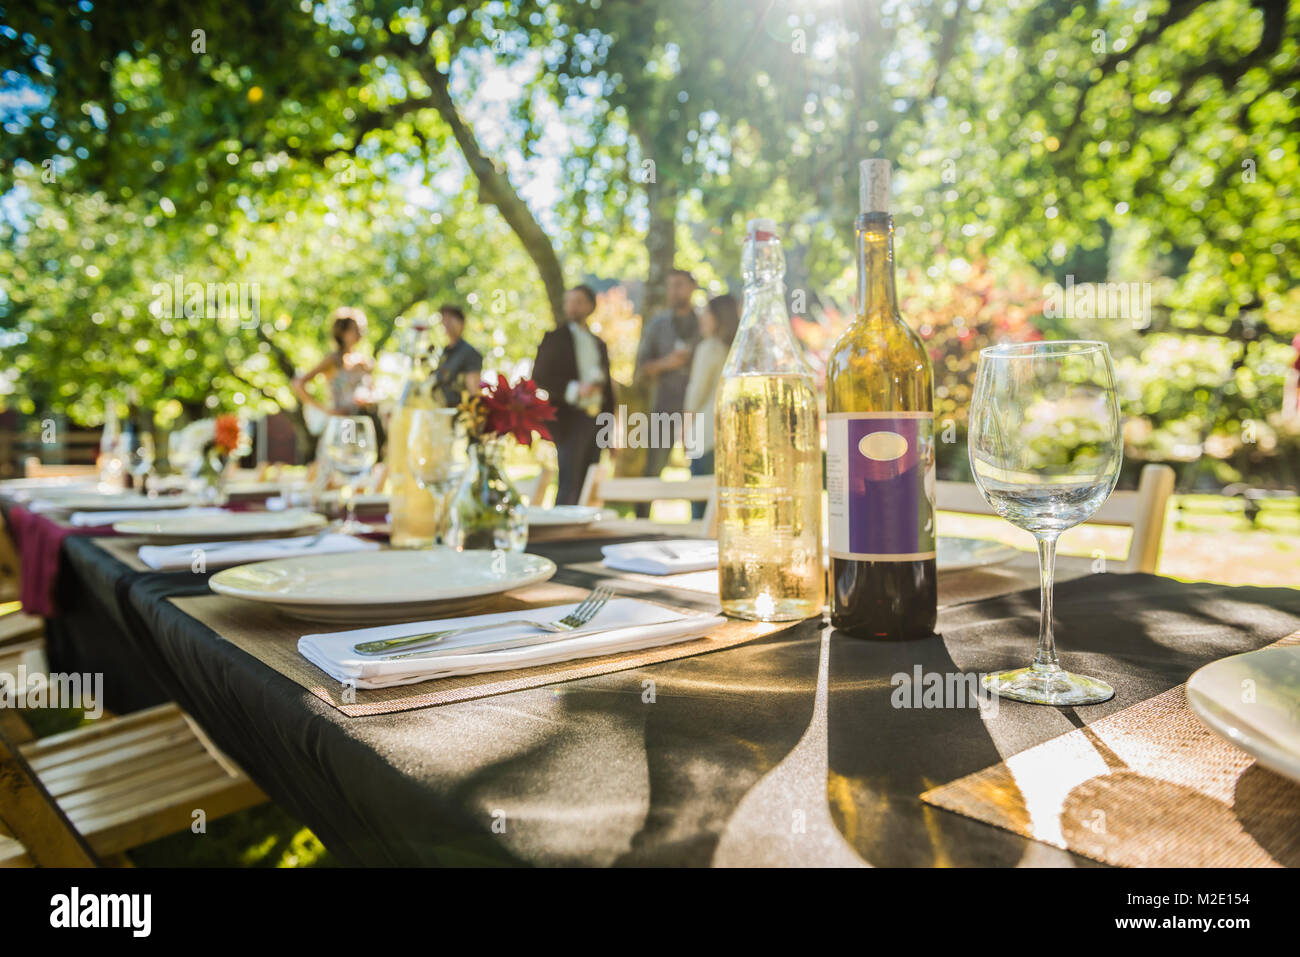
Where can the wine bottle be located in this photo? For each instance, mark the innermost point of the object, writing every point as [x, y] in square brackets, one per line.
[768, 454]
[880, 448]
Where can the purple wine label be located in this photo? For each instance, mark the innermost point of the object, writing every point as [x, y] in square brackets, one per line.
[880, 483]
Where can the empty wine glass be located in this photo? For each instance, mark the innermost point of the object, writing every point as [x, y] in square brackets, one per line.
[1045, 448]
[138, 451]
[430, 457]
[350, 450]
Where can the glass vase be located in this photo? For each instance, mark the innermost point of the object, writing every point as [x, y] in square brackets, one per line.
[487, 511]
[209, 479]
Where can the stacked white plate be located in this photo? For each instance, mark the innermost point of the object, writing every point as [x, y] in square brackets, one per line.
[368, 587]
[229, 525]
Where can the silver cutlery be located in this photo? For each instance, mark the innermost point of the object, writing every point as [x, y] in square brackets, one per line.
[580, 616]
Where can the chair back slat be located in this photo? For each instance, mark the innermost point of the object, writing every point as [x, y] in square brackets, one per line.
[1142, 510]
[601, 487]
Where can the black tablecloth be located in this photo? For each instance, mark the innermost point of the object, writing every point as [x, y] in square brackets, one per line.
[659, 765]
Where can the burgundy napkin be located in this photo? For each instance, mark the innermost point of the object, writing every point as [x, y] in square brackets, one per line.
[38, 540]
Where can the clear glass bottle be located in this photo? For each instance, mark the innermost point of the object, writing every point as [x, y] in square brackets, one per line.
[768, 459]
[415, 514]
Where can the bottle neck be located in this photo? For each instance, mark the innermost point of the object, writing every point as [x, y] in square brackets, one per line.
[764, 343]
[876, 296]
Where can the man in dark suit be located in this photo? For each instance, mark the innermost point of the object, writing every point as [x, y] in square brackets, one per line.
[572, 365]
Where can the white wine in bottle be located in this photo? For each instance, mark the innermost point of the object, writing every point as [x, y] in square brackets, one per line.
[415, 513]
[768, 455]
[880, 448]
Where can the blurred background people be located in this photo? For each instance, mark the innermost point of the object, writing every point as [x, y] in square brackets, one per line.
[718, 324]
[460, 366]
[572, 365]
[347, 372]
[663, 359]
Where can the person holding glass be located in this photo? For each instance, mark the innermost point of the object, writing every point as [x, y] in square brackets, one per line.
[572, 365]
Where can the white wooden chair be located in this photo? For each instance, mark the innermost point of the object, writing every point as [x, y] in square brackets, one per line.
[1142, 510]
[601, 486]
[535, 490]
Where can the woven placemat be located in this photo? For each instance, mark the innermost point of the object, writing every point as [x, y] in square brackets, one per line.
[272, 638]
[1149, 786]
[125, 548]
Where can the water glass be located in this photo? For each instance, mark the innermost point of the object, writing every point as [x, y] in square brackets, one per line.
[431, 458]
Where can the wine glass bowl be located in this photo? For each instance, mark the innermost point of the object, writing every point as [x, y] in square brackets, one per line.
[431, 458]
[1046, 446]
[350, 449]
[138, 450]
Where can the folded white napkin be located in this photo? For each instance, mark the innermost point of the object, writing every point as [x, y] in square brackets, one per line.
[662, 558]
[225, 554]
[94, 519]
[625, 624]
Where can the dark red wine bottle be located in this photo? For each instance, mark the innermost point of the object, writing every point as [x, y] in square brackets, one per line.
[880, 448]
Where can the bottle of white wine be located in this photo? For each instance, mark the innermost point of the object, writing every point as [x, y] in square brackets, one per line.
[415, 513]
[768, 454]
[880, 448]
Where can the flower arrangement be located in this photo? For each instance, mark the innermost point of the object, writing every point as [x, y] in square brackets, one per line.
[226, 434]
[487, 510]
[223, 436]
[502, 409]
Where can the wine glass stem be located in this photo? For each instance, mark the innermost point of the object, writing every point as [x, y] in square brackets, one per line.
[1046, 657]
[349, 505]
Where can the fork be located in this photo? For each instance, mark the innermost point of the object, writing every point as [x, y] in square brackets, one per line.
[584, 613]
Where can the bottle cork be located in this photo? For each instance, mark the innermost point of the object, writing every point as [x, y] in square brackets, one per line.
[760, 230]
[873, 185]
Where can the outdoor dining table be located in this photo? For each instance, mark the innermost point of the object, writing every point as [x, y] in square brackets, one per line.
[786, 749]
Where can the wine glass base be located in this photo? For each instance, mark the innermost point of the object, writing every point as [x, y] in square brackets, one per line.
[353, 527]
[1047, 686]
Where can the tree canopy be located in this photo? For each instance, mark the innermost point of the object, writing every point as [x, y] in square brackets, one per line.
[394, 154]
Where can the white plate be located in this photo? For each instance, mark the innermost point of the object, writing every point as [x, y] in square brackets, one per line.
[1267, 723]
[49, 483]
[360, 500]
[197, 528]
[107, 502]
[563, 515]
[959, 554]
[261, 488]
[378, 586]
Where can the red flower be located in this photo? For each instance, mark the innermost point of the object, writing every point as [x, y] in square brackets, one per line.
[517, 410]
[225, 435]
